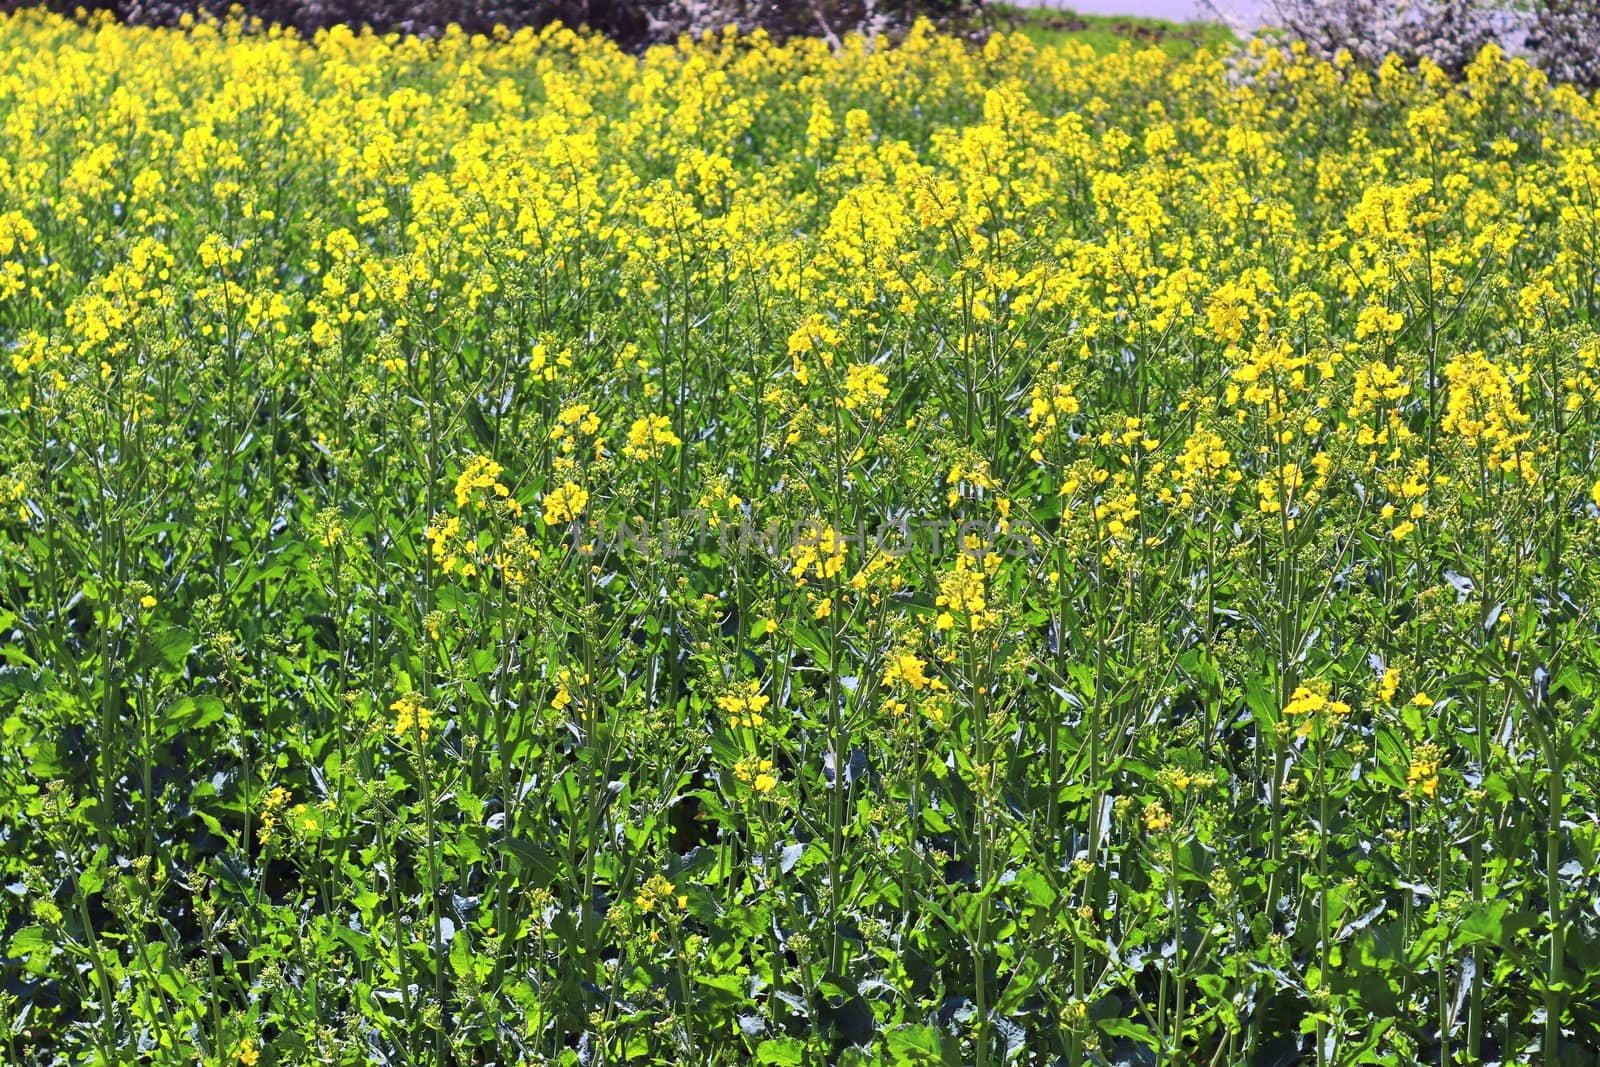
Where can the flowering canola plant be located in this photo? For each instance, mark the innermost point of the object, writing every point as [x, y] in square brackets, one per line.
[512, 551]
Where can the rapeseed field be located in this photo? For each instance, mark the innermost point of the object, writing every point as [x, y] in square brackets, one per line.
[513, 552]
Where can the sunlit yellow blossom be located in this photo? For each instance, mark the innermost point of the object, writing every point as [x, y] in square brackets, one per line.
[1307, 706]
[865, 386]
[744, 704]
[757, 772]
[1156, 817]
[963, 589]
[273, 804]
[658, 893]
[564, 503]
[906, 669]
[1422, 774]
[480, 474]
[411, 715]
[818, 553]
[649, 437]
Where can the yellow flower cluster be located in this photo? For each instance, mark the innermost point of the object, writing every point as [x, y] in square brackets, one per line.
[757, 772]
[565, 503]
[649, 437]
[1482, 410]
[1422, 774]
[744, 704]
[907, 669]
[273, 804]
[963, 589]
[818, 553]
[1308, 706]
[865, 386]
[659, 894]
[446, 546]
[479, 474]
[411, 717]
[13, 490]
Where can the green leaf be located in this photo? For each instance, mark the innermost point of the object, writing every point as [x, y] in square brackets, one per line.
[93, 879]
[174, 644]
[914, 1043]
[1493, 922]
[1040, 893]
[785, 1051]
[460, 955]
[535, 864]
[1262, 702]
[1127, 1028]
[191, 713]
[28, 940]
[723, 992]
